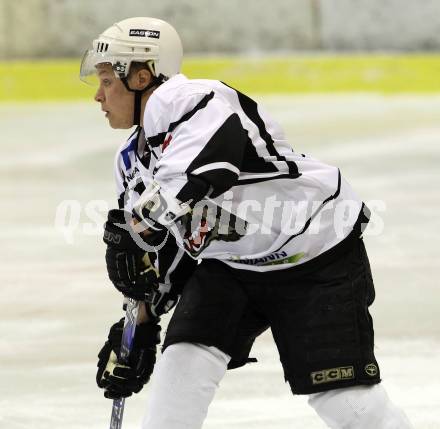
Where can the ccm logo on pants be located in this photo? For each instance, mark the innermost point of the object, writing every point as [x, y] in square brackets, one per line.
[332, 374]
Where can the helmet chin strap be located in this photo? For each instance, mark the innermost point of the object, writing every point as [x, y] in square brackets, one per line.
[138, 93]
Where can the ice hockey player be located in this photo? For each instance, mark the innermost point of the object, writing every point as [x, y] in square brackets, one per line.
[246, 233]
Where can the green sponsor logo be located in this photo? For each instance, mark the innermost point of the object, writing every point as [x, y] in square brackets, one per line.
[289, 260]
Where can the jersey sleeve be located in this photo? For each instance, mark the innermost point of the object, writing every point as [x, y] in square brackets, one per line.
[207, 141]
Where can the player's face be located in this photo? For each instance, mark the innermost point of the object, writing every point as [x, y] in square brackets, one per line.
[116, 101]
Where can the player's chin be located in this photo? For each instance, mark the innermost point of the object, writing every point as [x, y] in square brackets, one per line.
[118, 124]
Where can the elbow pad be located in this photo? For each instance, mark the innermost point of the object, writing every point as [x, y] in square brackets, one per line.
[158, 209]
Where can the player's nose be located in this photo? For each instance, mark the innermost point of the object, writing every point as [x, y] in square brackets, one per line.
[99, 96]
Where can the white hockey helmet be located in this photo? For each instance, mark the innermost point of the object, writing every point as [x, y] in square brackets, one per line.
[139, 39]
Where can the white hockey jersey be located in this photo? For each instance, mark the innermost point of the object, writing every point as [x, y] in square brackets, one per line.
[268, 207]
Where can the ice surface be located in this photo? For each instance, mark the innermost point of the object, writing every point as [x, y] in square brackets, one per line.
[57, 304]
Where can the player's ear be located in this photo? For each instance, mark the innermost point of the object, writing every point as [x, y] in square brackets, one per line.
[140, 79]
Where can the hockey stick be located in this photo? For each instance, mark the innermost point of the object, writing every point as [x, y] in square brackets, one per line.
[131, 315]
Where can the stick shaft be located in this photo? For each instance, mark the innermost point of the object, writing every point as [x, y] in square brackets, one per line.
[131, 315]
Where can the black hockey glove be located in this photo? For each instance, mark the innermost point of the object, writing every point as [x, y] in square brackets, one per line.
[120, 381]
[128, 266]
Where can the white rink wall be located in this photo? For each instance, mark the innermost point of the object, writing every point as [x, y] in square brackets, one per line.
[62, 28]
[66, 27]
[380, 24]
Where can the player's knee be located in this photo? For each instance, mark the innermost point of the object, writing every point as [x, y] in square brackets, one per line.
[348, 407]
[192, 355]
[184, 384]
[358, 407]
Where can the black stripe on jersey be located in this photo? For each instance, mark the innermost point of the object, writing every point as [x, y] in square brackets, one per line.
[220, 180]
[121, 197]
[145, 159]
[121, 200]
[307, 224]
[227, 145]
[253, 163]
[138, 128]
[144, 156]
[158, 139]
[250, 108]
[188, 115]
[338, 190]
[139, 188]
[262, 179]
[194, 190]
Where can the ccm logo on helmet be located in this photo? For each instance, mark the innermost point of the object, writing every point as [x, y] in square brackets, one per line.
[145, 33]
